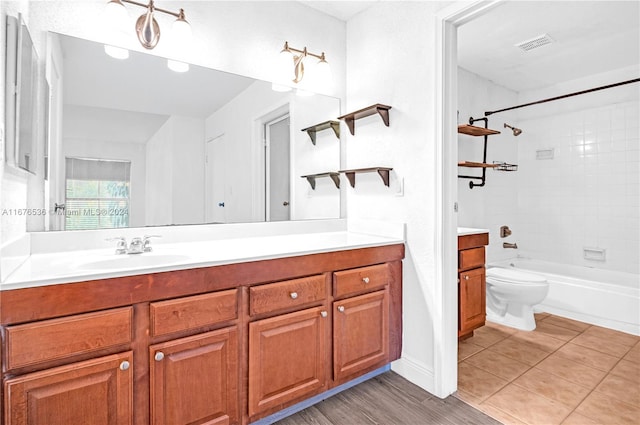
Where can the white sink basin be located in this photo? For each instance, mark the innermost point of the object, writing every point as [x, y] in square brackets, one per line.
[130, 261]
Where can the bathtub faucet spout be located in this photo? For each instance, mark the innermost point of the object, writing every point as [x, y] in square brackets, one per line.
[510, 245]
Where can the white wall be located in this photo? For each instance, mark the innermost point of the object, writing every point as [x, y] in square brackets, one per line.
[496, 203]
[390, 49]
[175, 173]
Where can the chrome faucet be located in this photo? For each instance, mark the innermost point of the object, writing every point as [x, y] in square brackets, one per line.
[510, 245]
[137, 245]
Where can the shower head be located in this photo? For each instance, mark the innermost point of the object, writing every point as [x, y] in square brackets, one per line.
[516, 131]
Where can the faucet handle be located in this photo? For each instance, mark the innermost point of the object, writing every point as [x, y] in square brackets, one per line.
[146, 242]
[121, 247]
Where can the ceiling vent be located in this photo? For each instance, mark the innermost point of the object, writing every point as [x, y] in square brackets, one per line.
[535, 42]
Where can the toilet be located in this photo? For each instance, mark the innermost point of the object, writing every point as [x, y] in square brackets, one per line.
[511, 295]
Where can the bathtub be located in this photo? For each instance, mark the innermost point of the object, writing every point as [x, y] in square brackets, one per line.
[600, 297]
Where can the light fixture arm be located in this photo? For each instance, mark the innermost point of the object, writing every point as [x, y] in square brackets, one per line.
[179, 14]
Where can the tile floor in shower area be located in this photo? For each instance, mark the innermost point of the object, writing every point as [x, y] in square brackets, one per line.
[564, 372]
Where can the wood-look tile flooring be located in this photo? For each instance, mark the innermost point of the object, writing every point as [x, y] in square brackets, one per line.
[388, 399]
[564, 372]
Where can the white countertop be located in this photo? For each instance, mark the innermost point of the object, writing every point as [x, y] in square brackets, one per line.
[464, 231]
[82, 265]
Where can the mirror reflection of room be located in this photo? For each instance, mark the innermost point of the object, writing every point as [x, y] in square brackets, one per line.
[154, 146]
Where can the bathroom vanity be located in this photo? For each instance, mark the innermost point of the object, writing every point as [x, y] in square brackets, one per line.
[219, 344]
[471, 280]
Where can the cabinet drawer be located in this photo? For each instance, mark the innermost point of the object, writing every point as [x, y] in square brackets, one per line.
[471, 258]
[193, 312]
[53, 339]
[281, 295]
[359, 280]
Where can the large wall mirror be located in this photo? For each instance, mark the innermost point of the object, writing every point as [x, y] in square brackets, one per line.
[134, 143]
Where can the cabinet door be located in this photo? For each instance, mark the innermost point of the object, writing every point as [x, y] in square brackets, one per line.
[194, 380]
[360, 334]
[472, 300]
[287, 358]
[96, 392]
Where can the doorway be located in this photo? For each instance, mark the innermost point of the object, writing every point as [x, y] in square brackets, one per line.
[215, 180]
[277, 158]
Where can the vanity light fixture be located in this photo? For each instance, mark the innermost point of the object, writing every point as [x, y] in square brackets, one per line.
[147, 27]
[319, 71]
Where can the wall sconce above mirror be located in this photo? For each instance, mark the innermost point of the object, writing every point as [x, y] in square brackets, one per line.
[147, 28]
[319, 71]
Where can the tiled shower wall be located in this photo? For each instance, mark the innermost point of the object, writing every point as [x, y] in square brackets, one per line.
[588, 195]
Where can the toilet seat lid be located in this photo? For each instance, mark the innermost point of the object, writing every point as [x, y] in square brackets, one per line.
[517, 276]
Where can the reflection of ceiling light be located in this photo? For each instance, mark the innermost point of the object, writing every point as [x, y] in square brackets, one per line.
[304, 93]
[301, 60]
[280, 87]
[116, 52]
[147, 27]
[177, 66]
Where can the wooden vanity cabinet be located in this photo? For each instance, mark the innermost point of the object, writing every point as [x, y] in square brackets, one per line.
[360, 334]
[195, 379]
[218, 345]
[471, 283]
[287, 359]
[98, 391]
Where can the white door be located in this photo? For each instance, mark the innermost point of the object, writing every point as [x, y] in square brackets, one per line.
[277, 169]
[215, 174]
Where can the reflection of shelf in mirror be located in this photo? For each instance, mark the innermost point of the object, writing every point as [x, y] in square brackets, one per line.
[382, 110]
[311, 178]
[382, 171]
[472, 130]
[311, 131]
[472, 164]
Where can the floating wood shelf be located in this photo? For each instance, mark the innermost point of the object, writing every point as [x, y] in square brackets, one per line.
[472, 130]
[311, 178]
[471, 164]
[311, 131]
[382, 171]
[350, 118]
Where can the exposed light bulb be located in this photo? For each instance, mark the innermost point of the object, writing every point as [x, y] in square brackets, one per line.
[116, 52]
[285, 65]
[177, 66]
[116, 15]
[181, 30]
[322, 71]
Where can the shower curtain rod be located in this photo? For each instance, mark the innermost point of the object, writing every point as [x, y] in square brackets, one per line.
[487, 113]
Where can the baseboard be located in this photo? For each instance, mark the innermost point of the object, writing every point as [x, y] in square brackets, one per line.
[416, 373]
